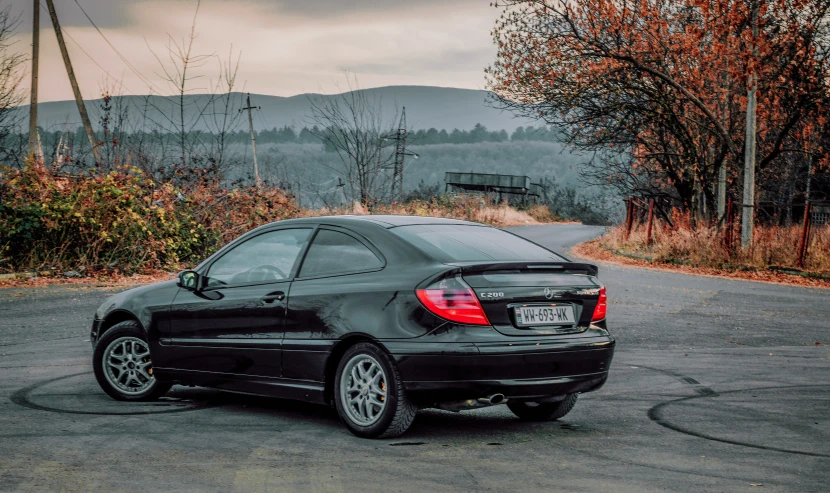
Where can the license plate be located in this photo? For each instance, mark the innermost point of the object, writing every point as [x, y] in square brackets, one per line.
[545, 315]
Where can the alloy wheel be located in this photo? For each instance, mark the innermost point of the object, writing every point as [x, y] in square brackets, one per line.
[363, 389]
[127, 365]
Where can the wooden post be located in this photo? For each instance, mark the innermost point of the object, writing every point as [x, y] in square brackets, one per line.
[79, 100]
[630, 218]
[805, 236]
[650, 221]
[33, 94]
[253, 138]
[627, 214]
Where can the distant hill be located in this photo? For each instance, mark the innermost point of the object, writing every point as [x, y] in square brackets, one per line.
[426, 107]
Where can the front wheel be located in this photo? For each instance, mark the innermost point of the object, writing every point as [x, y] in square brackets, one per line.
[369, 394]
[122, 365]
[543, 411]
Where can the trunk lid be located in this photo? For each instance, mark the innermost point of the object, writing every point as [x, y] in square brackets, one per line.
[535, 298]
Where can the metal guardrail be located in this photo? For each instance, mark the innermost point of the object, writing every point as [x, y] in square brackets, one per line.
[492, 183]
[488, 182]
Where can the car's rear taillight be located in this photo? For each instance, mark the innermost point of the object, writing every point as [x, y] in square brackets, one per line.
[452, 299]
[602, 306]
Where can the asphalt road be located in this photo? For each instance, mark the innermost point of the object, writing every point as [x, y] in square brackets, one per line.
[717, 385]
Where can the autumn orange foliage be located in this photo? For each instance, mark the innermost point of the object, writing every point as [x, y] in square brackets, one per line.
[658, 88]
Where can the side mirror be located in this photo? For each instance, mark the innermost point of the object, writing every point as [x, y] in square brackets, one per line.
[189, 279]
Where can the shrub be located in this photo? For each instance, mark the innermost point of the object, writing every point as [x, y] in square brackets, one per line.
[126, 222]
[702, 245]
[122, 220]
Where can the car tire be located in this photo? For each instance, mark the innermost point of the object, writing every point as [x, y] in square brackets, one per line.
[369, 394]
[543, 411]
[122, 365]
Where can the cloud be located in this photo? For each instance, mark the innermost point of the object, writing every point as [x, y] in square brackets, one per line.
[335, 8]
[119, 13]
[107, 14]
[286, 48]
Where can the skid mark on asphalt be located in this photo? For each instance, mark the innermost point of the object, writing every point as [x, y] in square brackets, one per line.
[657, 414]
[22, 397]
[700, 389]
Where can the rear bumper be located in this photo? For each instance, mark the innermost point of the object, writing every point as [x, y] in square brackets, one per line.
[517, 369]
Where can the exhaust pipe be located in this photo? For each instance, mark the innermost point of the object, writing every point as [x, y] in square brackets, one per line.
[465, 405]
[496, 399]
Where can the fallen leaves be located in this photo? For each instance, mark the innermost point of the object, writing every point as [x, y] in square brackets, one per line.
[96, 279]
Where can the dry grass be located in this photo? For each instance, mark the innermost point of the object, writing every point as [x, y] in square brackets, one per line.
[703, 246]
[466, 207]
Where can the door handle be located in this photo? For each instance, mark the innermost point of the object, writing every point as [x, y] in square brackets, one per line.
[272, 297]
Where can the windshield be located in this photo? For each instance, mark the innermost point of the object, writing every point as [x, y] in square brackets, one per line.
[465, 243]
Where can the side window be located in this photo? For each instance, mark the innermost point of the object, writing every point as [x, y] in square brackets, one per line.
[264, 258]
[334, 253]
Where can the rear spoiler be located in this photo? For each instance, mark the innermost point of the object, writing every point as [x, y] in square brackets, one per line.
[563, 267]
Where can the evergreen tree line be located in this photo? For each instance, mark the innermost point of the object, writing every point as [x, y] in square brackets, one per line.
[432, 136]
[308, 135]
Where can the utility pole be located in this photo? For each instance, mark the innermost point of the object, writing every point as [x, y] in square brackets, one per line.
[253, 136]
[400, 154]
[79, 100]
[33, 95]
[748, 216]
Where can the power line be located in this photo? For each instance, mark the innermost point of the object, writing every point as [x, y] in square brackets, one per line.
[119, 81]
[92, 59]
[134, 104]
[122, 57]
[78, 45]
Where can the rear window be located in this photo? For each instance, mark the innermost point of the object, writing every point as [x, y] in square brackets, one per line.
[463, 243]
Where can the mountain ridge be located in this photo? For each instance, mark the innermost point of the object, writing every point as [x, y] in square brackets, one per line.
[426, 107]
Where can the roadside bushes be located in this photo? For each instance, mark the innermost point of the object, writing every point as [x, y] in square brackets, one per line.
[122, 220]
[125, 222]
[702, 245]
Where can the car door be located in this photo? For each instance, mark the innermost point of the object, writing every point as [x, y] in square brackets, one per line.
[336, 284]
[234, 324]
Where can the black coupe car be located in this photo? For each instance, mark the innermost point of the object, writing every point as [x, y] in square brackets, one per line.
[377, 315]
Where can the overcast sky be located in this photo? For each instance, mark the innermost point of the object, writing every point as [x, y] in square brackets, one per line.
[288, 47]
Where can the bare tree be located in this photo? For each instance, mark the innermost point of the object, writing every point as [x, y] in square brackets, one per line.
[113, 120]
[224, 117]
[11, 74]
[178, 72]
[352, 124]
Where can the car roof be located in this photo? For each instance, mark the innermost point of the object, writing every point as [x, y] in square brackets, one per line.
[383, 220]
